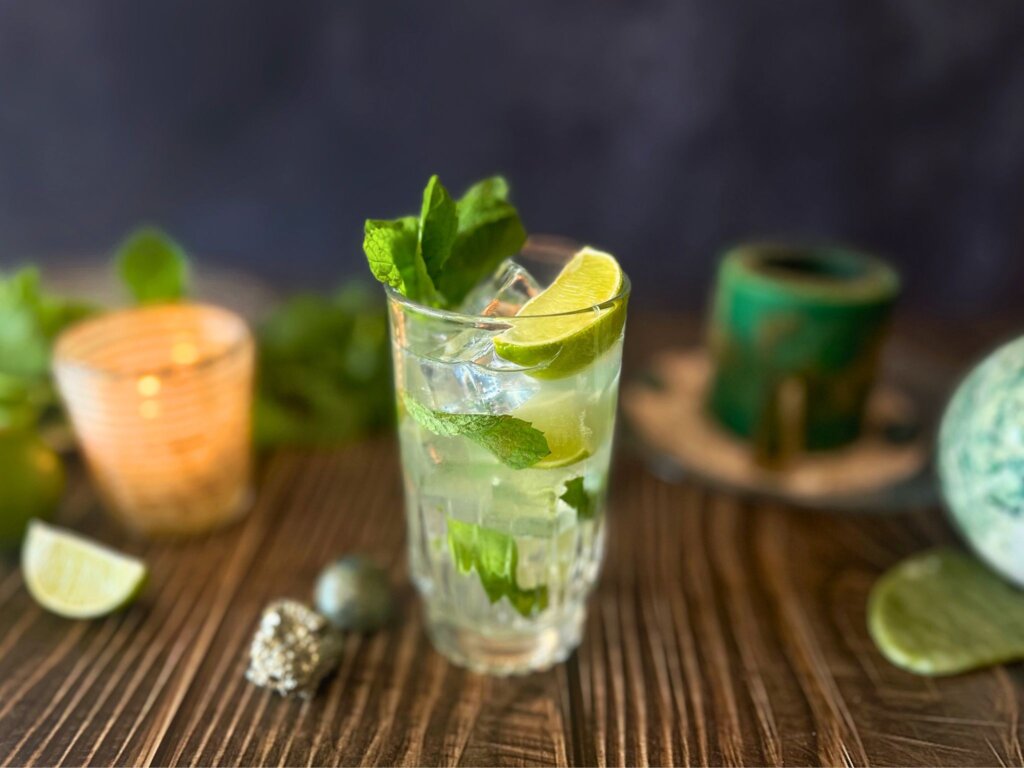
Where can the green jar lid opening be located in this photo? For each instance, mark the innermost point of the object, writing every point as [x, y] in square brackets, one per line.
[830, 273]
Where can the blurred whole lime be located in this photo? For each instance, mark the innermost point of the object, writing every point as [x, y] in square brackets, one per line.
[31, 484]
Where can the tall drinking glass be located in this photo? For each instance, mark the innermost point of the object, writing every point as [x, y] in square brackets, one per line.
[505, 548]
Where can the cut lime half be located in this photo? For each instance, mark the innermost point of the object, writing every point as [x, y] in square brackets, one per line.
[943, 612]
[75, 577]
[567, 335]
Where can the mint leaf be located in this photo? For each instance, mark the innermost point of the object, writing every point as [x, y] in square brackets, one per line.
[494, 556]
[513, 441]
[392, 250]
[577, 497]
[484, 193]
[438, 258]
[489, 232]
[437, 226]
[152, 266]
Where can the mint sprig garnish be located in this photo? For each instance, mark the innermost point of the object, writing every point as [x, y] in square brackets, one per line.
[152, 266]
[515, 442]
[437, 258]
[437, 225]
[495, 557]
[577, 497]
[489, 232]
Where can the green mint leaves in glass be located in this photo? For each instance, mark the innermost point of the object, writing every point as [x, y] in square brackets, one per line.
[506, 357]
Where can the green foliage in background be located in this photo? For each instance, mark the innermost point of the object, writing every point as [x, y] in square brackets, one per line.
[152, 266]
[324, 370]
[30, 320]
[324, 366]
[323, 378]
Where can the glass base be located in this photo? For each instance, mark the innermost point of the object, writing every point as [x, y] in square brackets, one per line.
[506, 653]
[171, 523]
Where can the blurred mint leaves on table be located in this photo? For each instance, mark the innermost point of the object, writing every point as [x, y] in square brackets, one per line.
[439, 256]
[152, 266]
[324, 372]
[324, 362]
[30, 321]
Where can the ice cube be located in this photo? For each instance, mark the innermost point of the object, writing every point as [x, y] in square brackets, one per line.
[464, 375]
[466, 346]
[470, 388]
[467, 387]
[476, 346]
[502, 294]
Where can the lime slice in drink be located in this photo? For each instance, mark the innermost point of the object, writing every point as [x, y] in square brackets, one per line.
[563, 458]
[559, 344]
[77, 578]
[563, 420]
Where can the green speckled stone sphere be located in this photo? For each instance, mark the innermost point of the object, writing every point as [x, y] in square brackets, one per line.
[981, 459]
[354, 593]
[795, 336]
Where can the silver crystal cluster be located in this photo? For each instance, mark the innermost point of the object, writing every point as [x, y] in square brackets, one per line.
[293, 649]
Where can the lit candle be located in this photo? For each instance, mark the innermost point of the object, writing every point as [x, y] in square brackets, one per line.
[160, 399]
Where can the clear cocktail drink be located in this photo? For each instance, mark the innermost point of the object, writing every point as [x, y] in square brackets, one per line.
[505, 448]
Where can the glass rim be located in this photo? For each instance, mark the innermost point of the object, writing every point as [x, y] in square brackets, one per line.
[64, 357]
[483, 320]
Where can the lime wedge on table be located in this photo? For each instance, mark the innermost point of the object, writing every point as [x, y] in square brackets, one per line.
[561, 344]
[943, 612]
[77, 578]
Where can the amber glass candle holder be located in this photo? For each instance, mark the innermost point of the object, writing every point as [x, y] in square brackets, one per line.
[161, 400]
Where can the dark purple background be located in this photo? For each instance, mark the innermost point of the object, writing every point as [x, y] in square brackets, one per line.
[261, 132]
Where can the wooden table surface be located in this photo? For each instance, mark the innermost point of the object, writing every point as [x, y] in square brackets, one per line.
[723, 631]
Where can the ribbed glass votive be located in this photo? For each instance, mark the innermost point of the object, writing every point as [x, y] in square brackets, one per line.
[160, 399]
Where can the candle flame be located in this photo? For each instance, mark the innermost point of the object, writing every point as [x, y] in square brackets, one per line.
[148, 386]
[184, 353]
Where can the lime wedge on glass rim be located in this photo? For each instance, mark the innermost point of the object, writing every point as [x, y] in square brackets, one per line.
[577, 318]
[75, 577]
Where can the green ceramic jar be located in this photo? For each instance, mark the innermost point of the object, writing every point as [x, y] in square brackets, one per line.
[795, 337]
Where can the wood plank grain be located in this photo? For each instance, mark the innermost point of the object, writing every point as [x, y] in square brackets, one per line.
[724, 631]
